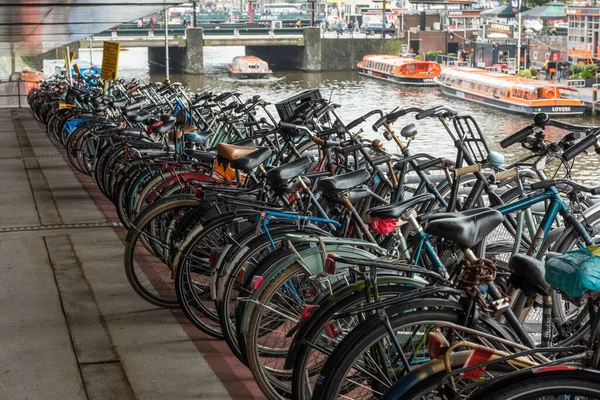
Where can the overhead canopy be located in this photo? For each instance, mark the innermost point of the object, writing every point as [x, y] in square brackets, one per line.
[31, 27]
[547, 12]
[504, 11]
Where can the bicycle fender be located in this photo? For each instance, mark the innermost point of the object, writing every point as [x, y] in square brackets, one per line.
[422, 372]
[328, 302]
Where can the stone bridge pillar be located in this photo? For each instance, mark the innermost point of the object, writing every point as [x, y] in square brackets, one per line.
[194, 51]
[311, 54]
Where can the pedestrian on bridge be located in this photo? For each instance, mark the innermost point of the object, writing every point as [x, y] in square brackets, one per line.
[298, 23]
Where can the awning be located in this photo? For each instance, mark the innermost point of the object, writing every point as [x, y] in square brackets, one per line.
[504, 11]
[31, 27]
[547, 12]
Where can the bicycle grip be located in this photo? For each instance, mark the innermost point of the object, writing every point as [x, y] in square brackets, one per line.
[543, 185]
[467, 170]
[350, 149]
[427, 113]
[379, 122]
[580, 147]
[287, 125]
[503, 175]
[517, 136]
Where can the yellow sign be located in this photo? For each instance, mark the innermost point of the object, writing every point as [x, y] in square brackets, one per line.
[72, 56]
[110, 60]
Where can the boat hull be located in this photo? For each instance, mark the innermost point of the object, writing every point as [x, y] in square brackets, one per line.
[249, 75]
[514, 108]
[397, 79]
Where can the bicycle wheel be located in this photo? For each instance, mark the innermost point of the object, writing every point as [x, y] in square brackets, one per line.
[146, 271]
[367, 362]
[566, 383]
[317, 343]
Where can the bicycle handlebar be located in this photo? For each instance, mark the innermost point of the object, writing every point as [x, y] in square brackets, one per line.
[581, 146]
[433, 111]
[517, 136]
[550, 183]
[362, 119]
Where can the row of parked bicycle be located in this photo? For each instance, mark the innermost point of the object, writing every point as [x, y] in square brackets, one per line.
[337, 269]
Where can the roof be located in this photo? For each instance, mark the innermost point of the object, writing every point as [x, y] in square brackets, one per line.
[393, 60]
[498, 79]
[504, 11]
[548, 11]
[31, 27]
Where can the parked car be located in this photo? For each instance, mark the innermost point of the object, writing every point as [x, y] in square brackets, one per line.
[373, 27]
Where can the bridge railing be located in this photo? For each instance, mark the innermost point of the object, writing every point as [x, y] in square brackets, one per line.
[180, 31]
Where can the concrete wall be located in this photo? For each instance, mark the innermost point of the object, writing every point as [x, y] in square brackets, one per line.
[37, 62]
[320, 54]
[185, 57]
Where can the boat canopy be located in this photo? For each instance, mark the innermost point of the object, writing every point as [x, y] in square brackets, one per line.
[251, 64]
[496, 83]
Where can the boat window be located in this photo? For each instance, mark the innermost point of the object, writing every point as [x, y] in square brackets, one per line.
[421, 66]
[533, 95]
[410, 68]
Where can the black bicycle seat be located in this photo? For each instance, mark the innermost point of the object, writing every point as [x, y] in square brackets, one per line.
[199, 154]
[397, 210]
[118, 103]
[198, 137]
[252, 160]
[345, 181]
[167, 118]
[528, 274]
[163, 128]
[466, 230]
[138, 116]
[289, 170]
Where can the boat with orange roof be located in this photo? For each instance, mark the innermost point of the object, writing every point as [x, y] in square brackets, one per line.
[510, 93]
[399, 69]
[249, 67]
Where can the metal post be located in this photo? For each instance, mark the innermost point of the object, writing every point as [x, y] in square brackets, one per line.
[194, 7]
[594, 98]
[166, 16]
[312, 13]
[91, 59]
[383, 19]
[250, 10]
[519, 41]
[68, 64]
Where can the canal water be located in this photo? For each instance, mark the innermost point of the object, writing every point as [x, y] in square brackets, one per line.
[358, 95]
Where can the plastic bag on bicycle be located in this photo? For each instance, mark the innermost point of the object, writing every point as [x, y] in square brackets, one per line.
[575, 272]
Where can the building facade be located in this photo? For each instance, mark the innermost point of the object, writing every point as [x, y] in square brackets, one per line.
[583, 34]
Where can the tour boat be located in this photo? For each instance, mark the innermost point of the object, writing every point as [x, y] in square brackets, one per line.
[249, 67]
[510, 92]
[404, 70]
[27, 75]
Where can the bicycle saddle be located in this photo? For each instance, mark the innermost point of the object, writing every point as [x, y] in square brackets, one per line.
[199, 154]
[167, 118]
[289, 170]
[397, 210]
[466, 229]
[232, 152]
[118, 104]
[528, 274]
[252, 160]
[138, 116]
[163, 128]
[345, 181]
[197, 137]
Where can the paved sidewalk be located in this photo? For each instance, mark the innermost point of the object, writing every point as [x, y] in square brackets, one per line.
[72, 327]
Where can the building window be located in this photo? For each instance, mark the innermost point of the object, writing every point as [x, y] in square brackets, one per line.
[535, 55]
[547, 56]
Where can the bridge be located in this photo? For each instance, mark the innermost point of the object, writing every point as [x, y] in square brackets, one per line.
[302, 49]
